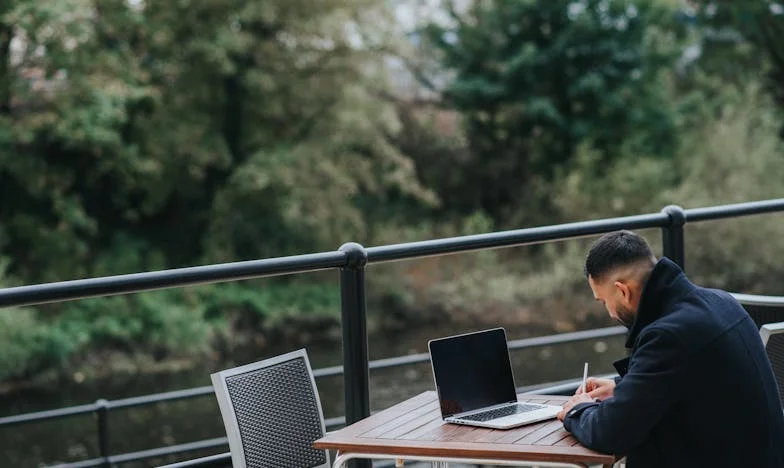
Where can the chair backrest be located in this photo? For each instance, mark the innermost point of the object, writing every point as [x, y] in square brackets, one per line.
[772, 335]
[272, 413]
[762, 314]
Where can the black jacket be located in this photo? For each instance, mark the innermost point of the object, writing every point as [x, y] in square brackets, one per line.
[697, 389]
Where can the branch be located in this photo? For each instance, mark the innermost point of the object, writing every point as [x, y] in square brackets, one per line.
[306, 124]
[450, 7]
[416, 70]
[412, 102]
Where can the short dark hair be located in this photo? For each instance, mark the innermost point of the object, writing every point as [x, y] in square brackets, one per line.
[614, 250]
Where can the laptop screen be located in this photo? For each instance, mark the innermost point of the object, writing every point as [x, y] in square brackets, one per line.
[472, 371]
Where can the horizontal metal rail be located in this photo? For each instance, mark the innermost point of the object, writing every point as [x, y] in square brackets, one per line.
[564, 387]
[330, 423]
[49, 414]
[138, 282]
[147, 454]
[159, 397]
[734, 211]
[221, 459]
[548, 340]
[164, 279]
[512, 238]
[758, 300]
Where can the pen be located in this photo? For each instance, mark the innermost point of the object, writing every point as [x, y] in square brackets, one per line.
[585, 377]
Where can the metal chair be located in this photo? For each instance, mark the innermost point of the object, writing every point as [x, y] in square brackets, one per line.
[772, 335]
[272, 413]
[762, 309]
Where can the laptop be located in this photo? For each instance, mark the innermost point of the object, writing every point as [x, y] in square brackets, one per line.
[475, 385]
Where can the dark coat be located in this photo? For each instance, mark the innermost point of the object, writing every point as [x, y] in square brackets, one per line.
[697, 390]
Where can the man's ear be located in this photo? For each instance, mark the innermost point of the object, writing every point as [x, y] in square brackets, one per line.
[624, 289]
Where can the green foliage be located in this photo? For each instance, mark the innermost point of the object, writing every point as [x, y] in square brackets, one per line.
[139, 136]
[268, 303]
[29, 345]
[166, 324]
[201, 131]
[738, 157]
[743, 41]
[733, 158]
[533, 80]
[158, 323]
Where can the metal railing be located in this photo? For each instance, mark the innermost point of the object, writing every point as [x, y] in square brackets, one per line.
[351, 260]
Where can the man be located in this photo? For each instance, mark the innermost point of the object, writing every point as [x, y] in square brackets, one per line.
[697, 389]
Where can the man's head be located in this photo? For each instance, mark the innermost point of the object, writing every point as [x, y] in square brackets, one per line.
[617, 267]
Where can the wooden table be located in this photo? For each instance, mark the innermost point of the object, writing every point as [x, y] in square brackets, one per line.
[413, 430]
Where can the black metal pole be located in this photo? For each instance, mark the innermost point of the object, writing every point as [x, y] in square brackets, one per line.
[672, 235]
[355, 345]
[138, 282]
[103, 431]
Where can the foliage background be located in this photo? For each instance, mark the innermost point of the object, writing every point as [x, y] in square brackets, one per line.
[137, 136]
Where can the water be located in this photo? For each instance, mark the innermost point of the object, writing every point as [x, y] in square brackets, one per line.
[75, 438]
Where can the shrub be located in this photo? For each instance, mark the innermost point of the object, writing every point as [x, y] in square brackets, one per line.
[158, 323]
[29, 345]
[734, 157]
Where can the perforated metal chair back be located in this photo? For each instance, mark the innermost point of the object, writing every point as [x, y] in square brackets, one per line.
[272, 413]
[762, 314]
[772, 335]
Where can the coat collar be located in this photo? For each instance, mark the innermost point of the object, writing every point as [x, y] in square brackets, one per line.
[665, 286]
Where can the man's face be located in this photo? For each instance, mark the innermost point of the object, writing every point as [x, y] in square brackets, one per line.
[616, 297]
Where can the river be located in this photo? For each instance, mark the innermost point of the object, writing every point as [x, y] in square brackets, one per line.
[75, 438]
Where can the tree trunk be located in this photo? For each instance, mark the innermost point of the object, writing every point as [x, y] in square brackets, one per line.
[6, 33]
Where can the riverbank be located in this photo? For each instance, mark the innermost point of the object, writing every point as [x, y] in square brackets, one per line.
[243, 335]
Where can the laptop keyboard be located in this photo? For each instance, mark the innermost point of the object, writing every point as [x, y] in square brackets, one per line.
[502, 411]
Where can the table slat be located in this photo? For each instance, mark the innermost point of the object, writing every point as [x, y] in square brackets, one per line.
[401, 420]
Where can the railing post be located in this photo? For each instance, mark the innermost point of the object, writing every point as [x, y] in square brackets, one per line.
[672, 235]
[355, 345]
[103, 431]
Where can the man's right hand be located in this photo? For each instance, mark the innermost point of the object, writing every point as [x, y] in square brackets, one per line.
[598, 389]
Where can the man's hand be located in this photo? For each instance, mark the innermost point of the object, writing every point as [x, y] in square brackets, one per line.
[574, 401]
[598, 389]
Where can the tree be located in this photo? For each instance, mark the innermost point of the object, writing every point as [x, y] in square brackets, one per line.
[744, 41]
[146, 135]
[534, 79]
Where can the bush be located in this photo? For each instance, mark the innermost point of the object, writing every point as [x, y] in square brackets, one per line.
[157, 323]
[734, 157]
[29, 345]
[270, 302]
